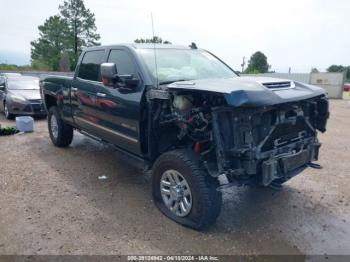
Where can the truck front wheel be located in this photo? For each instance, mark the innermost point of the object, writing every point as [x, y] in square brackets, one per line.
[61, 134]
[184, 191]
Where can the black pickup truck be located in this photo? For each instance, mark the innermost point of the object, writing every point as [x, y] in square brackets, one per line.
[190, 119]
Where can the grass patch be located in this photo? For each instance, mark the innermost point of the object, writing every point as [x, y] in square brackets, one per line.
[7, 131]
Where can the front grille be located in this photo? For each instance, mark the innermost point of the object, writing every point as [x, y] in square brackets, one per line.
[27, 109]
[37, 105]
[277, 85]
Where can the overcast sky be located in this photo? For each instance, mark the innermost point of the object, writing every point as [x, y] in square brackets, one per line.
[297, 33]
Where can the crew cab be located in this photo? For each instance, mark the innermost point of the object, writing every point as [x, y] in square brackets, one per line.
[190, 119]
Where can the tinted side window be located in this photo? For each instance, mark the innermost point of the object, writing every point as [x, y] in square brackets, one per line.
[90, 66]
[122, 59]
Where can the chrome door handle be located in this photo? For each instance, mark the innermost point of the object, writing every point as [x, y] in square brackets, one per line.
[74, 89]
[101, 94]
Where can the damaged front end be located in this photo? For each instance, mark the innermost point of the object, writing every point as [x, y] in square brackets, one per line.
[250, 144]
[268, 144]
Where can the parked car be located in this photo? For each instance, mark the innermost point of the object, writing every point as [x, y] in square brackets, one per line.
[346, 87]
[190, 119]
[20, 95]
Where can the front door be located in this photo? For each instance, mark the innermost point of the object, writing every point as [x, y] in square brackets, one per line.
[119, 109]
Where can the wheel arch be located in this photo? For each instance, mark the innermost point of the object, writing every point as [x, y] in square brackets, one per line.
[50, 101]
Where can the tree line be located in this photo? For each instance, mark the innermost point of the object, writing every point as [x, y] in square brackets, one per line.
[63, 36]
[258, 64]
[340, 69]
[155, 40]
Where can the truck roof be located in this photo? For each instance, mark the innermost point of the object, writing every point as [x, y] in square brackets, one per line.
[140, 46]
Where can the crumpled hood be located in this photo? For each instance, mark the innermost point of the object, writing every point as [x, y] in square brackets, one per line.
[252, 91]
[27, 94]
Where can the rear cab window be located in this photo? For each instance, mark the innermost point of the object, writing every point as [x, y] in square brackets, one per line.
[90, 65]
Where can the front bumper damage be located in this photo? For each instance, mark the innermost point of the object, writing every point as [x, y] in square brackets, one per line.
[285, 167]
[267, 144]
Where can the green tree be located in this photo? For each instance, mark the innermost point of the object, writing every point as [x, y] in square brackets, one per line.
[12, 67]
[9, 67]
[82, 28]
[340, 68]
[47, 49]
[155, 39]
[314, 70]
[257, 63]
[40, 65]
[336, 68]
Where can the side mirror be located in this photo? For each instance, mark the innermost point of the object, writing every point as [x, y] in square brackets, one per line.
[109, 73]
[110, 77]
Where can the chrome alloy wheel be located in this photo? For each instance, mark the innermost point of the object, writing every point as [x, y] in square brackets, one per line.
[54, 126]
[176, 193]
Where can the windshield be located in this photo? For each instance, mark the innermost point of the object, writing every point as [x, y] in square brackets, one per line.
[182, 64]
[23, 83]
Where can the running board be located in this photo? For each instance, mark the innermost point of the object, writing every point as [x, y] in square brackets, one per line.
[90, 136]
[314, 165]
[140, 163]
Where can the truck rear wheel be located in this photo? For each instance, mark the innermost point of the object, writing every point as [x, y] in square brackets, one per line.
[184, 191]
[61, 134]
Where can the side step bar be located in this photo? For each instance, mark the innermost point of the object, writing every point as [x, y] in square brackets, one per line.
[140, 163]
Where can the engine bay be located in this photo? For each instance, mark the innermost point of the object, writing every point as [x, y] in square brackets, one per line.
[247, 144]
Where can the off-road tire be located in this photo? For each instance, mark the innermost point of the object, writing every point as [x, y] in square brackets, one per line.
[206, 200]
[64, 135]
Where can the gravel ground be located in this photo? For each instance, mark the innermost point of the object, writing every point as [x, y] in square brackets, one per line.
[52, 202]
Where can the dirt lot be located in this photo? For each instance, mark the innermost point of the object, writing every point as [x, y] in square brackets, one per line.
[52, 202]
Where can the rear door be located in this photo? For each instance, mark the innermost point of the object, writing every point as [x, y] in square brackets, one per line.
[119, 109]
[85, 86]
